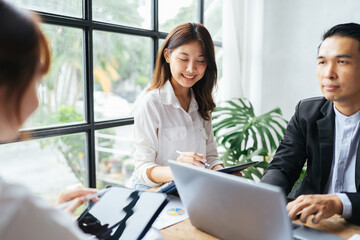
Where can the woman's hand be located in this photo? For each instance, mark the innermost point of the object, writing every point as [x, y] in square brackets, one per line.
[221, 166]
[192, 158]
[239, 174]
[79, 194]
[217, 167]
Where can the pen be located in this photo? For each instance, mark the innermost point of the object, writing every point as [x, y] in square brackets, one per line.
[205, 163]
[87, 198]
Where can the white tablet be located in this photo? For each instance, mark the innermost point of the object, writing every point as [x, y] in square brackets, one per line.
[122, 213]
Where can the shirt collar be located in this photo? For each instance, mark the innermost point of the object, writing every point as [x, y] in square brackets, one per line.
[355, 118]
[168, 97]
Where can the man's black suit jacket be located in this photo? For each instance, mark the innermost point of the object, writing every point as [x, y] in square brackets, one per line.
[309, 137]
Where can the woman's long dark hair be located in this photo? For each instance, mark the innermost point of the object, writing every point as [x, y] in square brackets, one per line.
[183, 34]
[24, 52]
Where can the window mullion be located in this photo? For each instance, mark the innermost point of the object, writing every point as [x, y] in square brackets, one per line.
[89, 96]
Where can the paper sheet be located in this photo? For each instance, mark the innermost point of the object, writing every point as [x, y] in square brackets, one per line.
[172, 213]
[355, 237]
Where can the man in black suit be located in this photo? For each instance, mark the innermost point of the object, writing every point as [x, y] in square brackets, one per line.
[325, 133]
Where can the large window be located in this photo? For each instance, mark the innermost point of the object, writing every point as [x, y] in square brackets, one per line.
[103, 54]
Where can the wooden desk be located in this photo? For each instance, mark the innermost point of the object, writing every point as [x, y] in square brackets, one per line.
[337, 226]
[185, 231]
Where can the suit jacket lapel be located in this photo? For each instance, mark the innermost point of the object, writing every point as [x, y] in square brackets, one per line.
[326, 127]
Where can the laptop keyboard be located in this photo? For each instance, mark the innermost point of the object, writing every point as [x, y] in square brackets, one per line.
[295, 226]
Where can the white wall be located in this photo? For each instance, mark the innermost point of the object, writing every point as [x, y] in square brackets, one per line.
[292, 31]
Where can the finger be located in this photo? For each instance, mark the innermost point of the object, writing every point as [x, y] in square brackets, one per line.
[204, 160]
[305, 215]
[188, 159]
[191, 161]
[200, 158]
[82, 192]
[77, 203]
[197, 163]
[307, 212]
[294, 208]
[290, 206]
[297, 205]
[200, 164]
[303, 218]
[185, 159]
[196, 156]
[239, 174]
[75, 193]
[187, 154]
[317, 217]
[193, 154]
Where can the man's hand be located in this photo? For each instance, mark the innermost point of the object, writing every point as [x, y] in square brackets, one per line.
[79, 194]
[320, 205]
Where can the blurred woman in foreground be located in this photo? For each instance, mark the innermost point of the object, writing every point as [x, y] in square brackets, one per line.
[24, 59]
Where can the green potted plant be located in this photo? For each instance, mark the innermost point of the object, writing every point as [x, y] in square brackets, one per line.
[241, 135]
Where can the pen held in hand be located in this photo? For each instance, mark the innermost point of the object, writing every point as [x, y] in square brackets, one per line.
[87, 198]
[204, 163]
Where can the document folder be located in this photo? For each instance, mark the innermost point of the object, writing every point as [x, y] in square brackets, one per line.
[122, 213]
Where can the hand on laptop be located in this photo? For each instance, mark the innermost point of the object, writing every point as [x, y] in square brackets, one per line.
[320, 205]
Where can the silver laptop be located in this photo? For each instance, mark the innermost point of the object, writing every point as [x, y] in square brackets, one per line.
[230, 207]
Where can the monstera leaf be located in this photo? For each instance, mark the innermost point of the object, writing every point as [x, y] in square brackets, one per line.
[241, 135]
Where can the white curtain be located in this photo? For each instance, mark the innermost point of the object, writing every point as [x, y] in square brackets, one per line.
[242, 50]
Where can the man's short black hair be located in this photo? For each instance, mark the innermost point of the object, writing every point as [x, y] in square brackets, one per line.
[351, 30]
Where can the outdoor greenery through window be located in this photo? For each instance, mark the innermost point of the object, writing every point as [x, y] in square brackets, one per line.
[102, 61]
[173, 13]
[61, 92]
[72, 8]
[122, 69]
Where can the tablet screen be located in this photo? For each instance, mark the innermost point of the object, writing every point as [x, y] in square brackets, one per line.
[122, 213]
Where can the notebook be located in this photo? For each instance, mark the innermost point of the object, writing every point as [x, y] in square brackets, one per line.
[122, 213]
[231, 207]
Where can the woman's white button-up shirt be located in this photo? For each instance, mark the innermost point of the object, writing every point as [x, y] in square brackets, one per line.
[163, 127]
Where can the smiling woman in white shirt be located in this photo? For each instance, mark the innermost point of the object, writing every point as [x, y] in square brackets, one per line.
[173, 120]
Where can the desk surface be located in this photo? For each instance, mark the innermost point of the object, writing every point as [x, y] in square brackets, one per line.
[184, 230]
